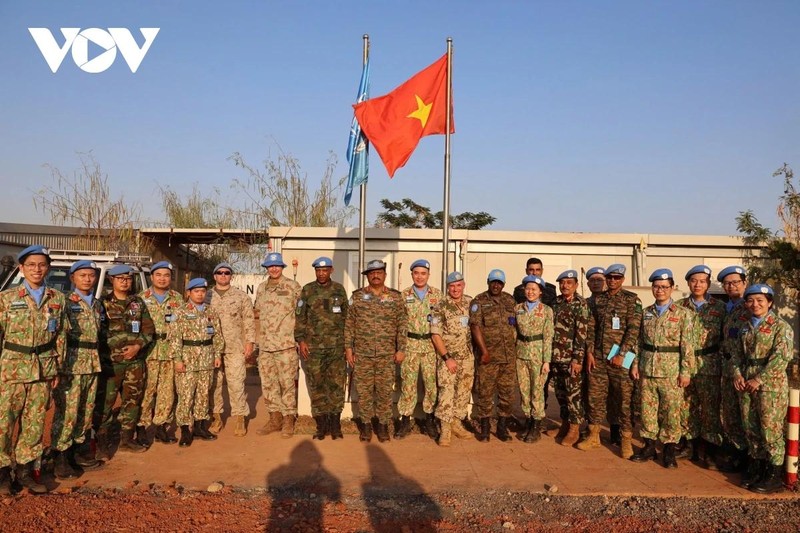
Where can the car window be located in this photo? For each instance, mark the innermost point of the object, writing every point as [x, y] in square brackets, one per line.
[57, 278]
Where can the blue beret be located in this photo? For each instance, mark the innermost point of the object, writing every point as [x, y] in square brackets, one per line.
[160, 265]
[734, 269]
[616, 268]
[275, 259]
[375, 264]
[497, 275]
[197, 283]
[420, 263]
[452, 277]
[223, 265]
[533, 279]
[661, 273]
[567, 274]
[120, 270]
[699, 269]
[759, 288]
[36, 249]
[81, 265]
[595, 270]
[322, 262]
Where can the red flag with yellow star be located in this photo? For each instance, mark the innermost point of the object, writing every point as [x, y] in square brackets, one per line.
[394, 123]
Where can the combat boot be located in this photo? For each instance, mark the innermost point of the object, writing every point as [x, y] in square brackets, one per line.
[322, 427]
[364, 430]
[592, 441]
[483, 436]
[241, 429]
[626, 444]
[572, 436]
[646, 453]
[102, 452]
[382, 431]
[287, 428]
[683, 450]
[186, 437]
[754, 472]
[560, 433]
[709, 458]
[273, 424]
[536, 431]
[61, 467]
[616, 436]
[216, 423]
[201, 430]
[445, 434]
[403, 428]
[163, 436]
[771, 481]
[24, 476]
[669, 456]
[430, 426]
[458, 430]
[143, 436]
[523, 436]
[502, 429]
[128, 444]
[335, 426]
[83, 457]
[5, 481]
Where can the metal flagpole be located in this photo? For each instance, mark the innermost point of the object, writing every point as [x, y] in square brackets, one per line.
[446, 209]
[362, 204]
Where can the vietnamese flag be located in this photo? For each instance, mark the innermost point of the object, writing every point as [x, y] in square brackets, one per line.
[394, 123]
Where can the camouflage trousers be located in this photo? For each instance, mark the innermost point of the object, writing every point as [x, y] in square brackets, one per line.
[74, 401]
[498, 379]
[531, 387]
[127, 381]
[233, 373]
[455, 389]
[418, 360]
[278, 373]
[568, 393]
[159, 393]
[28, 403]
[373, 379]
[192, 388]
[763, 420]
[608, 384]
[326, 373]
[662, 400]
[731, 413]
[700, 416]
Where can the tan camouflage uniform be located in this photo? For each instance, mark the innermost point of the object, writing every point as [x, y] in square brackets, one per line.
[420, 356]
[451, 321]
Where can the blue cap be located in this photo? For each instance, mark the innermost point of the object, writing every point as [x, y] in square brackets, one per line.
[733, 269]
[616, 268]
[698, 269]
[36, 249]
[595, 270]
[120, 270]
[197, 283]
[275, 259]
[497, 275]
[82, 265]
[223, 265]
[759, 288]
[533, 279]
[375, 264]
[452, 277]
[160, 265]
[567, 274]
[420, 263]
[322, 262]
[661, 273]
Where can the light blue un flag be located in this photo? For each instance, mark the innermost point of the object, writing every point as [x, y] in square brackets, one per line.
[357, 147]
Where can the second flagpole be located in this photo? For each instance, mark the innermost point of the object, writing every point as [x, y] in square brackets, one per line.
[362, 204]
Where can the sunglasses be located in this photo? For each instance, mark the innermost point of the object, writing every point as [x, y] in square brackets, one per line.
[222, 273]
[615, 277]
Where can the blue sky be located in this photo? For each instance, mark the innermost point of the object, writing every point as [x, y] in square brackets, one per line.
[652, 117]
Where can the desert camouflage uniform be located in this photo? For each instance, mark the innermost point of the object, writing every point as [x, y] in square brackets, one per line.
[495, 317]
[763, 352]
[420, 355]
[666, 351]
[570, 321]
[277, 358]
[77, 381]
[735, 320]
[451, 321]
[25, 376]
[607, 383]
[159, 392]
[534, 349]
[700, 416]
[375, 328]
[126, 377]
[194, 340]
[319, 322]
[235, 310]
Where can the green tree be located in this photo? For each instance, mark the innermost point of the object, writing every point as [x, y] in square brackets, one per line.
[408, 214]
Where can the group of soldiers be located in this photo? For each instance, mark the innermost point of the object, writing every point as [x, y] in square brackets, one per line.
[706, 378]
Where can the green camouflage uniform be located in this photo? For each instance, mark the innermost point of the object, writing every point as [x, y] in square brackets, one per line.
[534, 349]
[375, 328]
[126, 377]
[25, 374]
[319, 322]
[763, 353]
[194, 340]
[235, 310]
[277, 356]
[666, 351]
[77, 381]
[159, 392]
[607, 383]
[495, 317]
[735, 320]
[451, 321]
[700, 416]
[420, 355]
[570, 321]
